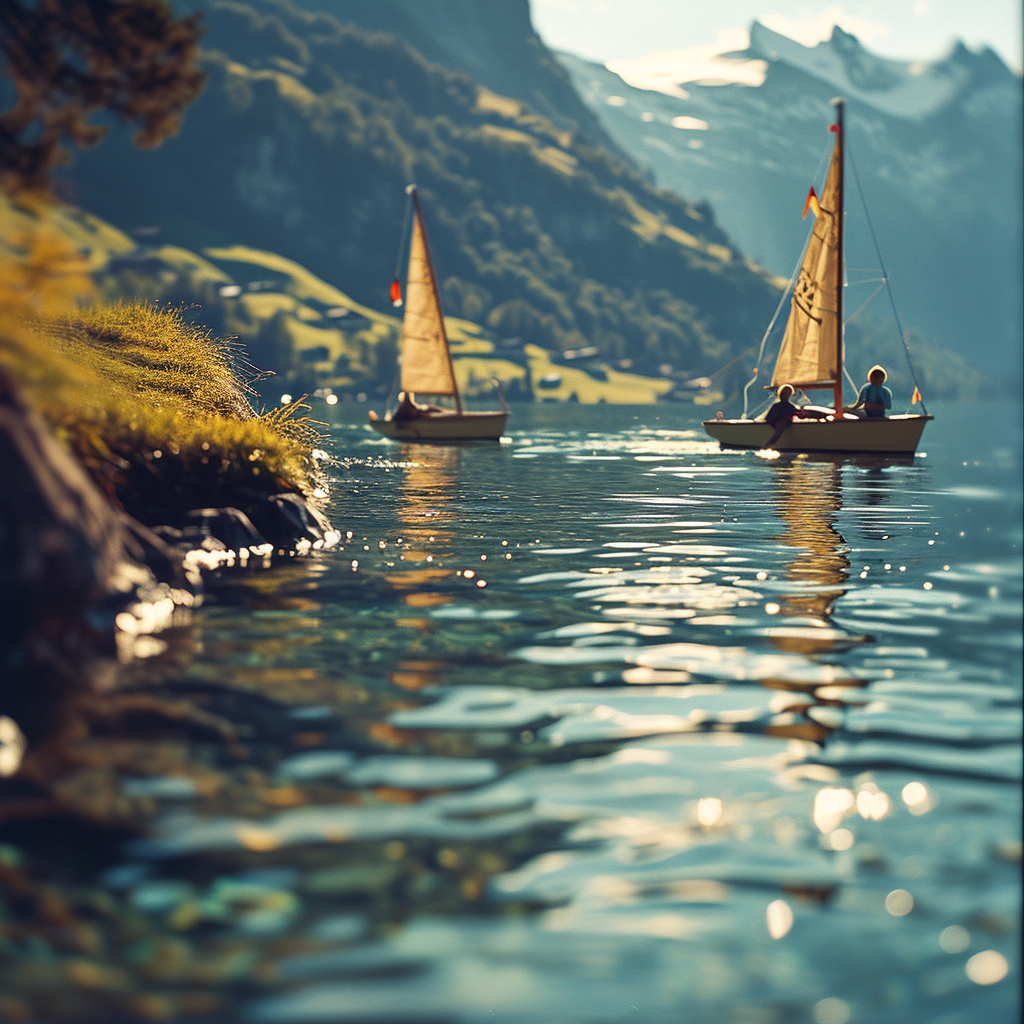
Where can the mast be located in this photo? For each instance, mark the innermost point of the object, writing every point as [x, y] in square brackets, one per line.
[840, 216]
[437, 298]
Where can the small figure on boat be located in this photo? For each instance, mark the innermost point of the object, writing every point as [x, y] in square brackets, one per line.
[783, 412]
[407, 408]
[874, 398]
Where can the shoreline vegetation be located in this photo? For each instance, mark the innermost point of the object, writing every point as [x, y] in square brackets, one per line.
[133, 462]
[159, 416]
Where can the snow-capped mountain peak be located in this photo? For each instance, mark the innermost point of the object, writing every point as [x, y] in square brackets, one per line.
[937, 144]
[910, 89]
[906, 89]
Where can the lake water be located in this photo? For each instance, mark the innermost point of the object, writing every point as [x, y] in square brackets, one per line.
[601, 725]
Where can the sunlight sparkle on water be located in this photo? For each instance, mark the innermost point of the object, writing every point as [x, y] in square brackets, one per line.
[917, 797]
[780, 918]
[697, 709]
[709, 811]
[831, 1011]
[954, 939]
[831, 805]
[899, 903]
[987, 967]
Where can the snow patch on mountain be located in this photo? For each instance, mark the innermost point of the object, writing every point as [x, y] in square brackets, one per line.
[909, 89]
[710, 64]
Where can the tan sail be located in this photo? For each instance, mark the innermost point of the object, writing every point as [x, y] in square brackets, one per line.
[810, 352]
[426, 362]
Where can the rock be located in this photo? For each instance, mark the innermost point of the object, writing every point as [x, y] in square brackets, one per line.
[285, 519]
[156, 550]
[232, 527]
[65, 553]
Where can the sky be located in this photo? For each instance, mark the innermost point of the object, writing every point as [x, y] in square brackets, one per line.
[924, 30]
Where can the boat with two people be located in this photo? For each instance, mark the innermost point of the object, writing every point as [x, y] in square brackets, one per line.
[812, 353]
[425, 361]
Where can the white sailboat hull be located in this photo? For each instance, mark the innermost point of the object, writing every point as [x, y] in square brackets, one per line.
[892, 436]
[444, 426]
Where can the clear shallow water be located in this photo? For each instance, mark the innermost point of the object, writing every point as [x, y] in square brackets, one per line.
[602, 724]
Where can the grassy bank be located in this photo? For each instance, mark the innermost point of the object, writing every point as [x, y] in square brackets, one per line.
[157, 409]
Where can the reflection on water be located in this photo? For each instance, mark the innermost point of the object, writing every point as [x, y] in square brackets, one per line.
[430, 476]
[809, 498]
[719, 739]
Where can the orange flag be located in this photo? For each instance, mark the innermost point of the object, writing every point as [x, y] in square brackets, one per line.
[812, 204]
[396, 293]
[916, 397]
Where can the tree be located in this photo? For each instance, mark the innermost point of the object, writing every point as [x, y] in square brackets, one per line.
[70, 59]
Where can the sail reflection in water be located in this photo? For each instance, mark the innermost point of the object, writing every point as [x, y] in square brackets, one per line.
[809, 498]
[425, 517]
[429, 479]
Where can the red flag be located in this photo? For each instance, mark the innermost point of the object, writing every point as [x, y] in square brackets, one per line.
[812, 204]
[396, 293]
[916, 398]
[833, 128]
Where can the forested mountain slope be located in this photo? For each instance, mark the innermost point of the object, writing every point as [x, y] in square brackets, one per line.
[303, 143]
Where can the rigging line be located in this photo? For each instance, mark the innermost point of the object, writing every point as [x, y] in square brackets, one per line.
[885, 277]
[857, 311]
[792, 280]
[405, 233]
[775, 316]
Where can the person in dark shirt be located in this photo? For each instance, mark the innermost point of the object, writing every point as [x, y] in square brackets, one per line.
[407, 408]
[782, 413]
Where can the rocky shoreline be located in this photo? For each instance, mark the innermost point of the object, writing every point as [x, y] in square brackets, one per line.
[87, 585]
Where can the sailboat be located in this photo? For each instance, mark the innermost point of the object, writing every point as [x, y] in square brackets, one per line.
[811, 355]
[426, 362]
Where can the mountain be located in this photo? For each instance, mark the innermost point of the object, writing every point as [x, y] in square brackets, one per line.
[307, 134]
[492, 41]
[936, 146]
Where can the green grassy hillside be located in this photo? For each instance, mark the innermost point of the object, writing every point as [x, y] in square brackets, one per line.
[304, 141]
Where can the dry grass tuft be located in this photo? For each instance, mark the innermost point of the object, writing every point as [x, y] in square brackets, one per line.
[157, 409]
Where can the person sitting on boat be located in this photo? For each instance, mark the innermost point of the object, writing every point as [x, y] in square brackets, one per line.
[874, 398]
[407, 409]
[783, 412]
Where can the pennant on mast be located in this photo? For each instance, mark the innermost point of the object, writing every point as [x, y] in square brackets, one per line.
[812, 203]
